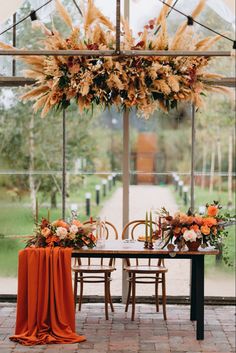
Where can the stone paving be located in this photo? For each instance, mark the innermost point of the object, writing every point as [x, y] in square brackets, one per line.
[149, 333]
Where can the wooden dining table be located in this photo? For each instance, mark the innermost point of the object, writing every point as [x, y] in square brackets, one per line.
[122, 249]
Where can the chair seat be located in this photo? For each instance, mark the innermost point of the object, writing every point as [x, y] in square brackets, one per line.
[93, 268]
[146, 269]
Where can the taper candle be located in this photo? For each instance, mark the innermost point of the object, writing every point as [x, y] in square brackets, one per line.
[150, 227]
[37, 211]
[146, 227]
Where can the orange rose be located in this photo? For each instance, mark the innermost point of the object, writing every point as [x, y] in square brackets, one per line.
[195, 227]
[177, 230]
[212, 210]
[198, 220]
[183, 218]
[60, 223]
[77, 223]
[190, 220]
[46, 232]
[209, 222]
[205, 230]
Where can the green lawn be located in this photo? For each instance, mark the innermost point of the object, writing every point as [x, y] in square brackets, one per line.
[16, 219]
[201, 198]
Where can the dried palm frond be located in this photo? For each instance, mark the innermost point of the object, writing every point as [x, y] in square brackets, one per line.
[6, 46]
[98, 35]
[208, 44]
[35, 92]
[161, 42]
[40, 102]
[33, 60]
[180, 31]
[220, 89]
[34, 74]
[198, 9]
[164, 11]
[210, 76]
[46, 107]
[94, 14]
[64, 14]
[128, 35]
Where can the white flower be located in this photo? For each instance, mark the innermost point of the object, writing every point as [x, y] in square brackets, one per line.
[61, 232]
[73, 229]
[190, 235]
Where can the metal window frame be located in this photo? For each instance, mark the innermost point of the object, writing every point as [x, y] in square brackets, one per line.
[20, 81]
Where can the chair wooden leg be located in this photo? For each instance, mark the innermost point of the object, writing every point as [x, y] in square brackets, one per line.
[81, 291]
[156, 292]
[109, 295]
[75, 286]
[128, 297]
[164, 295]
[106, 290]
[133, 296]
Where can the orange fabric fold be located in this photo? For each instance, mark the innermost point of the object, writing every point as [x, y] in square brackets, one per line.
[45, 304]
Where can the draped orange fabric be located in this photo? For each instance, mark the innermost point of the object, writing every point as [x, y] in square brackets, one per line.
[45, 305]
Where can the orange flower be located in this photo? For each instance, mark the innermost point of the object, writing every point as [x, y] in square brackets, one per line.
[184, 229]
[195, 227]
[209, 222]
[205, 230]
[198, 220]
[177, 230]
[190, 220]
[212, 210]
[77, 223]
[46, 232]
[60, 223]
[183, 218]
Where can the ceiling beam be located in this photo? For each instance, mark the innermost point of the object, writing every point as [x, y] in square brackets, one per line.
[10, 81]
[21, 52]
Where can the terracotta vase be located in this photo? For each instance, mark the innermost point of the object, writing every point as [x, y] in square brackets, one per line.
[193, 245]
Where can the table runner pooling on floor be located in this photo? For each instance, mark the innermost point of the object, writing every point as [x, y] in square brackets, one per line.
[45, 305]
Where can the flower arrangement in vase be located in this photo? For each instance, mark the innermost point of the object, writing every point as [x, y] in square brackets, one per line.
[192, 229]
[71, 234]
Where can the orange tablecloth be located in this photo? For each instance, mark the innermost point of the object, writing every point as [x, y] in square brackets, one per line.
[45, 306]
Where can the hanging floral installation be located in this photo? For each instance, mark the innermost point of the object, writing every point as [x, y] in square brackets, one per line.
[146, 83]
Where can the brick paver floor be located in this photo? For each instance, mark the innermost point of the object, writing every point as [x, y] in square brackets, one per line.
[149, 333]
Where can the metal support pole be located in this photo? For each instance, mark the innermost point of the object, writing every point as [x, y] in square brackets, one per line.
[118, 27]
[126, 168]
[63, 163]
[192, 158]
[14, 45]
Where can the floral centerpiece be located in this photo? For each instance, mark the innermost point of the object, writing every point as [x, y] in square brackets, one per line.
[143, 82]
[192, 229]
[60, 233]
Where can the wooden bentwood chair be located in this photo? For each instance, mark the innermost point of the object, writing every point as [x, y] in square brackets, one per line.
[144, 274]
[95, 273]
